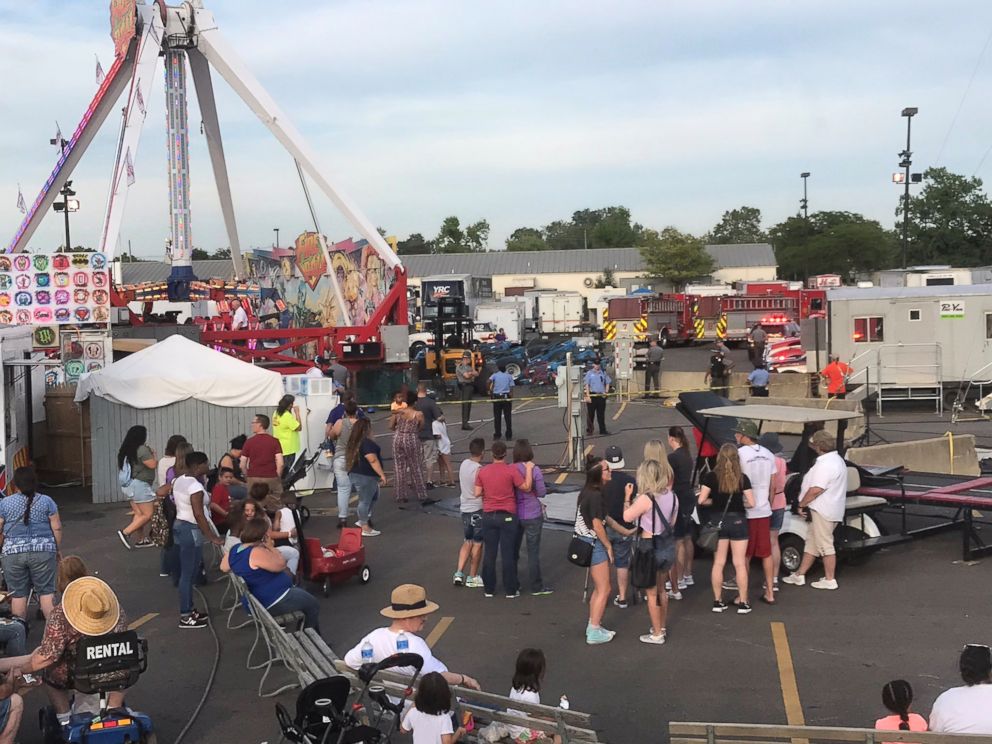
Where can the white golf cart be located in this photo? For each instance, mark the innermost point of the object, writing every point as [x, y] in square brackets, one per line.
[859, 535]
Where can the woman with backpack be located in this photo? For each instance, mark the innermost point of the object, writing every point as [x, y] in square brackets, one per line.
[32, 537]
[136, 463]
[655, 509]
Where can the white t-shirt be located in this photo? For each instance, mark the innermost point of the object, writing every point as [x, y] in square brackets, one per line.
[383, 642]
[758, 464]
[183, 489]
[525, 696]
[466, 480]
[829, 472]
[240, 320]
[440, 429]
[287, 523]
[427, 729]
[314, 372]
[963, 710]
[163, 468]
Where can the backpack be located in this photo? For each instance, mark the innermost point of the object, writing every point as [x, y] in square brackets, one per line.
[124, 474]
[717, 367]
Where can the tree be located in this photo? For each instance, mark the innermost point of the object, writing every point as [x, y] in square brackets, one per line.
[413, 245]
[526, 239]
[477, 236]
[676, 256]
[830, 243]
[606, 279]
[199, 254]
[565, 236]
[453, 239]
[222, 253]
[950, 221]
[741, 225]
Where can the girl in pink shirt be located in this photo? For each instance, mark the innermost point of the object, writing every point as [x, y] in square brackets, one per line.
[897, 696]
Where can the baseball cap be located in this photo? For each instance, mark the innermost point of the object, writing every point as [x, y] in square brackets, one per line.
[614, 457]
[747, 427]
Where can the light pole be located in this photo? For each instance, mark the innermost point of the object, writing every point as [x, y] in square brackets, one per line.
[67, 205]
[276, 231]
[804, 202]
[905, 163]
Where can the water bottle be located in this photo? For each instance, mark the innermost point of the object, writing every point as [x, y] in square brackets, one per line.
[367, 652]
[563, 703]
[402, 643]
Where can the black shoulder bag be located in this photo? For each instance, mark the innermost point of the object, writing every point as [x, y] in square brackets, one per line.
[579, 551]
[709, 535]
[643, 565]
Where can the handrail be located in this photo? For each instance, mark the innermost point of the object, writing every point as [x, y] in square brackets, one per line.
[978, 371]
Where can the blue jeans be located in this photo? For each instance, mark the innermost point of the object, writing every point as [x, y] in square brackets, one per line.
[12, 635]
[190, 541]
[302, 600]
[368, 493]
[343, 483]
[499, 535]
[531, 529]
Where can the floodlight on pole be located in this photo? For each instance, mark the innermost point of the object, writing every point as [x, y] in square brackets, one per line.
[909, 112]
[804, 202]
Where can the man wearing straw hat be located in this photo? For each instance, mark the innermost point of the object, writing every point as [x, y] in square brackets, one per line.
[89, 608]
[408, 609]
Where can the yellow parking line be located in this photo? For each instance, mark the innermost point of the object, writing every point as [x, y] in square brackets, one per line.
[620, 410]
[439, 630]
[142, 620]
[787, 679]
[561, 478]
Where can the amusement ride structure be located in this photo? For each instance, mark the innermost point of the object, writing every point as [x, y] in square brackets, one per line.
[143, 34]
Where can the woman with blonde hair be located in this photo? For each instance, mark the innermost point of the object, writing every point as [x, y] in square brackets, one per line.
[654, 449]
[728, 492]
[655, 510]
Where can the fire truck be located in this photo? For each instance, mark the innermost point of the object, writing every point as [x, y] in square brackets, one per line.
[771, 309]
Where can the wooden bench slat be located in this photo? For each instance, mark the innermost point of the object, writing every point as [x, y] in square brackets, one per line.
[314, 655]
[695, 732]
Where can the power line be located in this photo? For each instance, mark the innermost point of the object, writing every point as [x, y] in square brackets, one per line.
[971, 80]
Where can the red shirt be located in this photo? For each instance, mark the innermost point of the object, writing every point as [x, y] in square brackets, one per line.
[222, 497]
[835, 374]
[498, 481]
[261, 451]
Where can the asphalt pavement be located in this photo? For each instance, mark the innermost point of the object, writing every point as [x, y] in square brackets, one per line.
[820, 656]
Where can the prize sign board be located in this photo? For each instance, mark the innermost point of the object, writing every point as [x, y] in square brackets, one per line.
[54, 289]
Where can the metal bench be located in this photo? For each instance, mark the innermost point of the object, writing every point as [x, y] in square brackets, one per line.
[759, 733]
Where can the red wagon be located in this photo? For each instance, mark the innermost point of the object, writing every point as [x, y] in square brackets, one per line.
[332, 564]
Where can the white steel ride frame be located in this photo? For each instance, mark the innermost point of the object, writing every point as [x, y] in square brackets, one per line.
[192, 29]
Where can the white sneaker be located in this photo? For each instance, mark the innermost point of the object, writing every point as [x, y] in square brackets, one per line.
[794, 579]
[825, 583]
[682, 584]
[675, 595]
[657, 640]
[688, 580]
[668, 586]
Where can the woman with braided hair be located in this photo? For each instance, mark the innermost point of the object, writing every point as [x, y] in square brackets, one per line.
[897, 696]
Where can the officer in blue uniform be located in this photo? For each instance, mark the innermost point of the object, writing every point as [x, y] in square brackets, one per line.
[501, 391]
[597, 385]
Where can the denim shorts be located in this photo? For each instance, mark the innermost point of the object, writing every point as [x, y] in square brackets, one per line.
[139, 491]
[599, 554]
[472, 526]
[734, 527]
[778, 519]
[36, 569]
[621, 548]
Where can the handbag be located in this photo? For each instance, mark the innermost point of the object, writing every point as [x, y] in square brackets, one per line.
[643, 564]
[580, 552]
[163, 517]
[709, 535]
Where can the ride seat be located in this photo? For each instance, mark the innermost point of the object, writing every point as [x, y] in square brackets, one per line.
[853, 479]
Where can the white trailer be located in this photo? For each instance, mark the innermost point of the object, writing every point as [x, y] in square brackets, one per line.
[22, 401]
[506, 315]
[913, 342]
[561, 312]
[529, 298]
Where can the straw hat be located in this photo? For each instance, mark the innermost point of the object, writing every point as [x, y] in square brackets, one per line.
[408, 600]
[91, 606]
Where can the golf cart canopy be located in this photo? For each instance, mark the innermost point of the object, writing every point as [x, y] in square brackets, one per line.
[787, 414]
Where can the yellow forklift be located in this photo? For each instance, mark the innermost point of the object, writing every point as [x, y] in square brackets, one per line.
[451, 330]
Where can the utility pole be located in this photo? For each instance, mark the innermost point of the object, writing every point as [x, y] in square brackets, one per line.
[276, 231]
[905, 163]
[804, 203]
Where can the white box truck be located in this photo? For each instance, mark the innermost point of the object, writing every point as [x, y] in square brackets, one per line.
[561, 312]
[506, 315]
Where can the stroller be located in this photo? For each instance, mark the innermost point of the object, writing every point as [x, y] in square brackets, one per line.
[323, 715]
[297, 473]
[107, 663]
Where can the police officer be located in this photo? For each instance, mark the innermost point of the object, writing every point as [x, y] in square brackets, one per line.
[465, 374]
[597, 386]
[758, 380]
[718, 374]
[501, 390]
[653, 367]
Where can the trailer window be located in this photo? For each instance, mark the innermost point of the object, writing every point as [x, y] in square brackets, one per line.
[868, 330]
[988, 325]
[914, 315]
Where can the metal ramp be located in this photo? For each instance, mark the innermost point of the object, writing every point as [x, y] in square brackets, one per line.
[899, 372]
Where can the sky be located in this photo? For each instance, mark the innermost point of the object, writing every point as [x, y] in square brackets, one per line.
[519, 112]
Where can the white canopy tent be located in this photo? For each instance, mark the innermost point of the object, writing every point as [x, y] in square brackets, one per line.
[178, 369]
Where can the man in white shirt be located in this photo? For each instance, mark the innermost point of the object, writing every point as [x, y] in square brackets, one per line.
[758, 464]
[824, 492]
[320, 368]
[968, 709]
[408, 609]
[470, 505]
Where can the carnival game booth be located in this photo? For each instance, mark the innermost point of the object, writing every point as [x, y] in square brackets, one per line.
[176, 386]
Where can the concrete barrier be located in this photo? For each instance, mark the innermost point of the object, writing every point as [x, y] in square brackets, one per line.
[923, 455]
[855, 427]
[673, 382]
[789, 385]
